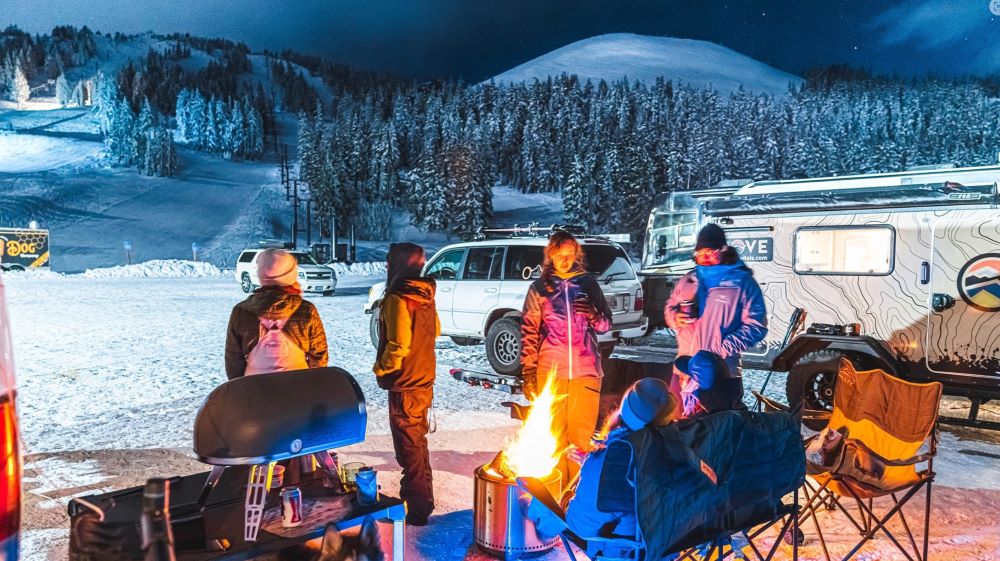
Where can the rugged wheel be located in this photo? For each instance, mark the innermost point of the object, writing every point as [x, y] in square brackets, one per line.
[812, 380]
[503, 346]
[245, 283]
[373, 326]
[607, 348]
[465, 341]
[327, 293]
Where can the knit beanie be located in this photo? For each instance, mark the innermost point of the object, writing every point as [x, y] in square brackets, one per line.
[277, 267]
[647, 401]
[711, 236]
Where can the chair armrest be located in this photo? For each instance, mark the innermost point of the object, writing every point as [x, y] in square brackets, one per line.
[534, 487]
[896, 463]
[537, 490]
[769, 403]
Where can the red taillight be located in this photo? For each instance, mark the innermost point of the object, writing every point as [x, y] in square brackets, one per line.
[639, 300]
[10, 485]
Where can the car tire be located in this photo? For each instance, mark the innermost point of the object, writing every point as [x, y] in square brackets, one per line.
[245, 283]
[327, 293]
[503, 346]
[373, 326]
[606, 349]
[812, 380]
[465, 341]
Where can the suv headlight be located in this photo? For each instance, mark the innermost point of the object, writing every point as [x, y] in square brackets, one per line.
[302, 275]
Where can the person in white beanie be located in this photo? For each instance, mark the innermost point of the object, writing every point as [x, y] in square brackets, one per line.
[275, 329]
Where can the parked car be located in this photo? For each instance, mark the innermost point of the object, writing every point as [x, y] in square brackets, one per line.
[481, 287]
[10, 445]
[312, 276]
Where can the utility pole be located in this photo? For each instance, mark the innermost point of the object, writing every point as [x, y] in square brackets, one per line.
[294, 196]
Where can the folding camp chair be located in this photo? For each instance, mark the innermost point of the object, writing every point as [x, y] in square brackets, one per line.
[712, 537]
[885, 422]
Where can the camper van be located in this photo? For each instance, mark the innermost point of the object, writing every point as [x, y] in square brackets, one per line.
[899, 271]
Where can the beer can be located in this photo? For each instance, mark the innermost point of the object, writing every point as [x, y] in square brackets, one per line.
[367, 482]
[278, 476]
[291, 507]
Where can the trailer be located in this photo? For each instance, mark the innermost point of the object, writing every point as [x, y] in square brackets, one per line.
[24, 248]
[899, 271]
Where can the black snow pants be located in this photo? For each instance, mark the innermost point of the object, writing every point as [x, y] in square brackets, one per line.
[409, 426]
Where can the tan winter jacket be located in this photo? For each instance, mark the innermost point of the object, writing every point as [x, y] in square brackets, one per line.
[304, 327]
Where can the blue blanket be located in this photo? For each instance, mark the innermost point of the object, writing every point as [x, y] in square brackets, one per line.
[707, 477]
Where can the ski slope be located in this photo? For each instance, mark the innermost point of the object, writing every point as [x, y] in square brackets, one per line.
[617, 56]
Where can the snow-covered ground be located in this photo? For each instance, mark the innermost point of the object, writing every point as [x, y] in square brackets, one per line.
[112, 368]
[23, 153]
[616, 56]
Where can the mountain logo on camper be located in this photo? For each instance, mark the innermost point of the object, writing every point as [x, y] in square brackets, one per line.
[979, 282]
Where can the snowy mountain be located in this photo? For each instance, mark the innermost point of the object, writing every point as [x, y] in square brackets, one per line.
[638, 57]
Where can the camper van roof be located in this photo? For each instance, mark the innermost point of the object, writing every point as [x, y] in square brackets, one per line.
[966, 176]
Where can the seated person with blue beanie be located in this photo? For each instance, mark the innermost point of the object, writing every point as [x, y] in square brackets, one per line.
[648, 401]
[717, 388]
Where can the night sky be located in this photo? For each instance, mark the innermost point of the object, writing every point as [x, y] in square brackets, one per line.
[476, 39]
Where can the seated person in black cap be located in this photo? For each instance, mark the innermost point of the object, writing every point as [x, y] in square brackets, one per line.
[717, 389]
[647, 402]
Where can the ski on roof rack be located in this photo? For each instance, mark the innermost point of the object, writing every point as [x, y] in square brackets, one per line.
[532, 230]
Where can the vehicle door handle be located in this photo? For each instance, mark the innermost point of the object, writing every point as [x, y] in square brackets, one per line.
[489, 290]
[941, 302]
[445, 289]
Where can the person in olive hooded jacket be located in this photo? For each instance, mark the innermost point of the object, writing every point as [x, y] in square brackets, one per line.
[563, 312]
[405, 366]
[279, 303]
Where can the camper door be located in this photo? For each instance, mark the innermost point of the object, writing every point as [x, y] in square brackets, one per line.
[963, 334]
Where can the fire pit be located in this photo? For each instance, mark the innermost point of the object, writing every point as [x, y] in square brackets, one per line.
[499, 525]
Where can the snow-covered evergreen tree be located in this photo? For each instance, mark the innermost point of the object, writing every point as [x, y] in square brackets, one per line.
[181, 109]
[197, 110]
[64, 95]
[468, 191]
[143, 124]
[160, 157]
[254, 140]
[20, 89]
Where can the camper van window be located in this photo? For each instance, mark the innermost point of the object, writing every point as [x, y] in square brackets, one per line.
[845, 250]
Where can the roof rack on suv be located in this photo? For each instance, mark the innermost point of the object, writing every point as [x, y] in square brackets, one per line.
[532, 230]
[270, 243]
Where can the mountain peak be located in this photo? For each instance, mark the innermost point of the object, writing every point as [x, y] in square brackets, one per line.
[615, 56]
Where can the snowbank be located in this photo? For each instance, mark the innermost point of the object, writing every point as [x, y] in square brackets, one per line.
[157, 268]
[368, 268]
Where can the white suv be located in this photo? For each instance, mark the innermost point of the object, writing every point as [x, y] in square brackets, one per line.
[313, 277]
[481, 288]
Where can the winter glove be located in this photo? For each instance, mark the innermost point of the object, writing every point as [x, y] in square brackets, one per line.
[529, 384]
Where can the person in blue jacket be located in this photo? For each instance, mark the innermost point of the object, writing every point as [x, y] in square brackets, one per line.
[730, 315]
[648, 401]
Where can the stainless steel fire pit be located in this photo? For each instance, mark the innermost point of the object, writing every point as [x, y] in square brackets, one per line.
[499, 524]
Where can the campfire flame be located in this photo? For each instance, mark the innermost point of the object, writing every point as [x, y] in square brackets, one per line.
[533, 451]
